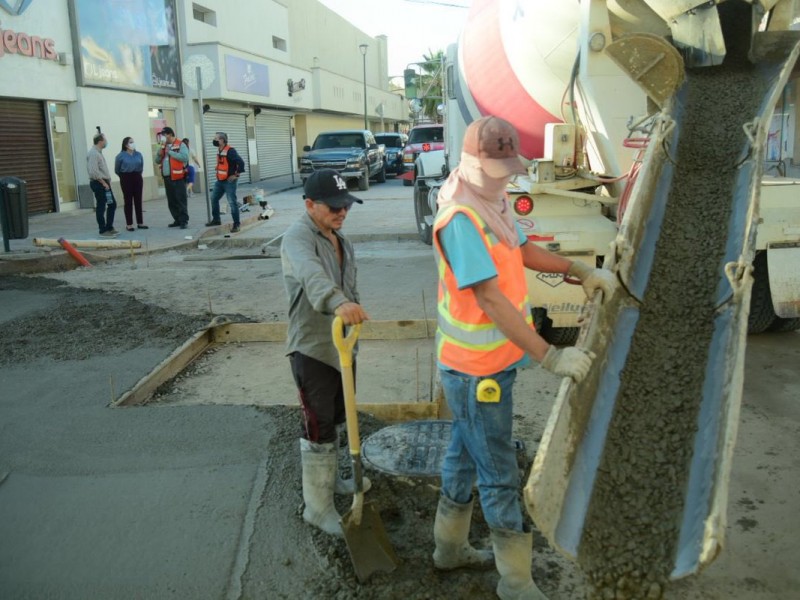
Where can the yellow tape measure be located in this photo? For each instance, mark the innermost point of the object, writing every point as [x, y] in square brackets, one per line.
[488, 391]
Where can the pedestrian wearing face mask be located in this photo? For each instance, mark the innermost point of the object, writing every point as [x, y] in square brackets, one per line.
[485, 333]
[229, 166]
[173, 157]
[100, 183]
[128, 166]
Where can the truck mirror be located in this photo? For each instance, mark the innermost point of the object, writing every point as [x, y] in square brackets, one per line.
[306, 148]
[373, 146]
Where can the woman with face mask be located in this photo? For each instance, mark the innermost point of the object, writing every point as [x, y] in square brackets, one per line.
[128, 166]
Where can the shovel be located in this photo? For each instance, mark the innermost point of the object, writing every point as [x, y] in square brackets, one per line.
[369, 546]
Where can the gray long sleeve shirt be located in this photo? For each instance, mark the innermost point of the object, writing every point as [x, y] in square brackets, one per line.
[316, 286]
[96, 165]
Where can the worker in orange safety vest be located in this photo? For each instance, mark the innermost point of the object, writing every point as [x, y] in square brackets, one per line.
[485, 332]
[229, 166]
[173, 156]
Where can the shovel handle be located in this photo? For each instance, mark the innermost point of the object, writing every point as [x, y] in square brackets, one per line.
[345, 347]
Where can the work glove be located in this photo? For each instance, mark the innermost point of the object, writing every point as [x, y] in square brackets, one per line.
[569, 362]
[593, 279]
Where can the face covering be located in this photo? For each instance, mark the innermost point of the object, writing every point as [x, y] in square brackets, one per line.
[131, 146]
[215, 143]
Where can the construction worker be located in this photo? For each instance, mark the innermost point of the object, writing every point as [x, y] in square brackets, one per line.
[485, 333]
[173, 156]
[319, 273]
[229, 166]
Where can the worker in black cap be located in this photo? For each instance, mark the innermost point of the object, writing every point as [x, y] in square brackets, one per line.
[319, 273]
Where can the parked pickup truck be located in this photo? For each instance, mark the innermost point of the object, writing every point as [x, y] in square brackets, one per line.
[352, 152]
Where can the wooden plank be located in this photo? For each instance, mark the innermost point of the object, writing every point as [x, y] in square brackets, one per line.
[401, 411]
[166, 369]
[370, 330]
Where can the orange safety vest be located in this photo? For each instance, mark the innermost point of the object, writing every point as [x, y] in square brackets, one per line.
[177, 168]
[467, 340]
[222, 163]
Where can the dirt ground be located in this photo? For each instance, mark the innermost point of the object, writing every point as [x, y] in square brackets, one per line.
[167, 298]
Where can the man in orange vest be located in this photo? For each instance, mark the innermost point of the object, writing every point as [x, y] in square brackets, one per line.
[485, 333]
[229, 166]
[173, 158]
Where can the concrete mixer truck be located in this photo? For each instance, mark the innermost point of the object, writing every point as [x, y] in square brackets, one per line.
[647, 125]
[583, 125]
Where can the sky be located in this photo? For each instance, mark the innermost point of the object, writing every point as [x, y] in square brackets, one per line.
[412, 26]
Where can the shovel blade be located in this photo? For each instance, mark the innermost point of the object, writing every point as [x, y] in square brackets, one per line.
[369, 546]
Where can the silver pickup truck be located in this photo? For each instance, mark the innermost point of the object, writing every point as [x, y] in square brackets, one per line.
[352, 152]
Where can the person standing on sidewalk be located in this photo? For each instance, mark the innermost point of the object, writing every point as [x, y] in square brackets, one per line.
[229, 166]
[485, 333]
[100, 183]
[319, 273]
[173, 158]
[128, 166]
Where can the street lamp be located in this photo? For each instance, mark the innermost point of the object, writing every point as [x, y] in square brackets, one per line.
[363, 48]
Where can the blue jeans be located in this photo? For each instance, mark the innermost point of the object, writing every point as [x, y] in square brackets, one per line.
[227, 188]
[103, 212]
[481, 447]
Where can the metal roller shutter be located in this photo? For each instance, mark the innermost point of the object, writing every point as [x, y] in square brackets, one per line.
[236, 128]
[23, 128]
[274, 144]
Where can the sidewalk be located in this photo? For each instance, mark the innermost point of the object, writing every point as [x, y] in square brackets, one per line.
[80, 224]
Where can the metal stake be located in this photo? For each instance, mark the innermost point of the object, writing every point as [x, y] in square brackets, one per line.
[203, 141]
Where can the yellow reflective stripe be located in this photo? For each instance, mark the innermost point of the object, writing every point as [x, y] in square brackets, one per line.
[475, 347]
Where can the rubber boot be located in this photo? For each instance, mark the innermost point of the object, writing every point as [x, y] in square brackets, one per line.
[451, 533]
[345, 484]
[513, 551]
[319, 476]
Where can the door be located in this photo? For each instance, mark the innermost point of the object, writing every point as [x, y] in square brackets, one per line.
[274, 145]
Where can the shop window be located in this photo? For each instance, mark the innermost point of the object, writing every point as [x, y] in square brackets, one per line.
[278, 43]
[204, 15]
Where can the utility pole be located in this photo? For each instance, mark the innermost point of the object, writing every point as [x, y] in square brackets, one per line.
[363, 48]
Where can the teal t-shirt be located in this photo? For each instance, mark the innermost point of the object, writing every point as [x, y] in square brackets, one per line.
[469, 259]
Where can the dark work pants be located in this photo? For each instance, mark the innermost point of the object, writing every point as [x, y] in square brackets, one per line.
[132, 184]
[176, 200]
[321, 397]
[103, 211]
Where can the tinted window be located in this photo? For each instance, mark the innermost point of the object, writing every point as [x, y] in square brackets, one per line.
[426, 134]
[339, 140]
[391, 141]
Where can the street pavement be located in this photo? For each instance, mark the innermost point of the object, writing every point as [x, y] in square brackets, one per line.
[80, 224]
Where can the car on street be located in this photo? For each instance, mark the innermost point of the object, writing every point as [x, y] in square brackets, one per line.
[393, 143]
[353, 153]
[422, 138]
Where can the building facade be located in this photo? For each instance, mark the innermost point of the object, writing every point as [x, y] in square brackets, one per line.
[274, 73]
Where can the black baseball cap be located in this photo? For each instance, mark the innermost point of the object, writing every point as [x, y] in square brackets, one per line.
[326, 185]
[167, 131]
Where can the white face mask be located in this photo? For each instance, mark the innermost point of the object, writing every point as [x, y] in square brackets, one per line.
[131, 146]
[162, 139]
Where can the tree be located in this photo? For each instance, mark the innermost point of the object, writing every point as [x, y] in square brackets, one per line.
[429, 85]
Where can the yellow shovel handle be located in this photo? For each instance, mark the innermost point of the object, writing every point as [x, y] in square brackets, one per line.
[345, 347]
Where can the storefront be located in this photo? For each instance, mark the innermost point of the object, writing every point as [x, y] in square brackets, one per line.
[274, 144]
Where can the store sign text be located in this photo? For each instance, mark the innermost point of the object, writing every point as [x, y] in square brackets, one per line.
[12, 42]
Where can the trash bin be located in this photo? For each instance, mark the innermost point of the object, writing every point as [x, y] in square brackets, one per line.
[14, 207]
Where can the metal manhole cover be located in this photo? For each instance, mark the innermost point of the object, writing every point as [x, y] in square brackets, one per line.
[415, 448]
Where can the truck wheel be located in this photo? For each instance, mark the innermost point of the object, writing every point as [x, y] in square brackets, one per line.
[363, 181]
[422, 212]
[381, 176]
[762, 315]
[560, 336]
[781, 324]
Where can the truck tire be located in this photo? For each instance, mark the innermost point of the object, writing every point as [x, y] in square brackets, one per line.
[381, 176]
[762, 315]
[422, 212]
[559, 336]
[781, 324]
[363, 181]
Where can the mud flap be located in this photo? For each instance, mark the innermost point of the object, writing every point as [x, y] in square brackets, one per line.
[783, 262]
[631, 476]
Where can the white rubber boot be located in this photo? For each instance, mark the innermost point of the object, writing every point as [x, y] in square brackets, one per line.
[451, 533]
[319, 476]
[345, 484]
[513, 552]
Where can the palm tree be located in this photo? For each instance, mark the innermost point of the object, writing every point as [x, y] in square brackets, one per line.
[430, 84]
